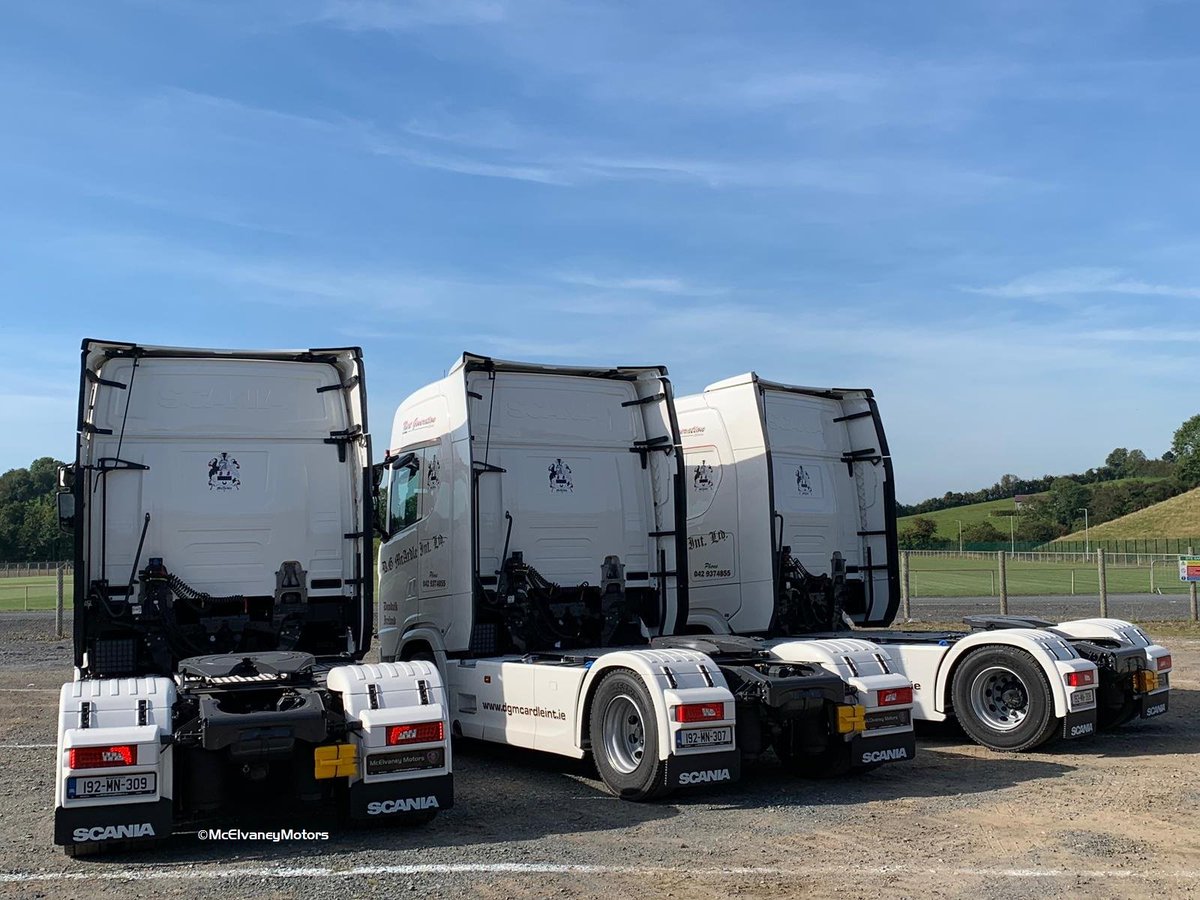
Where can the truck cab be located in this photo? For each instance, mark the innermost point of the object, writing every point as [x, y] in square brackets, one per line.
[792, 536]
[220, 503]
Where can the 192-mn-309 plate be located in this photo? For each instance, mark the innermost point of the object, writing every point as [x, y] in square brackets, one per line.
[84, 787]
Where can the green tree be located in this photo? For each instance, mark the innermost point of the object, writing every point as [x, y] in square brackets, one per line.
[981, 533]
[918, 534]
[1063, 502]
[28, 515]
[1186, 448]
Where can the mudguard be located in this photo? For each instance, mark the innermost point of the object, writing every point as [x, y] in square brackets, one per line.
[133, 714]
[1053, 654]
[673, 678]
[390, 779]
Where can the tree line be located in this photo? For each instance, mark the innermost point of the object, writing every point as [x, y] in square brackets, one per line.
[1105, 491]
[29, 514]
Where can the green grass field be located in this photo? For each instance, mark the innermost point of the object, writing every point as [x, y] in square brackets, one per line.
[39, 592]
[965, 577]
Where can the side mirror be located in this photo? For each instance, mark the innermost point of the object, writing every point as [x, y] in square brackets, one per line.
[66, 510]
[66, 478]
[408, 461]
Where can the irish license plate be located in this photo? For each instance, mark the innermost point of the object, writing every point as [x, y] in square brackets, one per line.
[704, 737]
[1083, 699]
[80, 787]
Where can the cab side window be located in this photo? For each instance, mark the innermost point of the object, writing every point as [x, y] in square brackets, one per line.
[404, 495]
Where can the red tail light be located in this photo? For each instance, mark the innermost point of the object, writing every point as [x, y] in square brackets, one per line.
[1164, 662]
[102, 757]
[895, 696]
[420, 733]
[699, 712]
[1081, 679]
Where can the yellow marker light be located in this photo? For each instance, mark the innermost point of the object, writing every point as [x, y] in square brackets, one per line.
[1145, 681]
[851, 719]
[335, 761]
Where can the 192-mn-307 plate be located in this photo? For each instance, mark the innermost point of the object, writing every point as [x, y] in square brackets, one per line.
[704, 737]
[81, 787]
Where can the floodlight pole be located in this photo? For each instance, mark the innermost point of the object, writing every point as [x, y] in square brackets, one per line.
[1012, 533]
[960, 550]
[1087, 543]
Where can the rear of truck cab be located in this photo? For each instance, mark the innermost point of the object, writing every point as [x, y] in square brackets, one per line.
[221, 508]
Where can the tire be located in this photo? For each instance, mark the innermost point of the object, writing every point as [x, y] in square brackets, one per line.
[1002, 699]
[624, 734]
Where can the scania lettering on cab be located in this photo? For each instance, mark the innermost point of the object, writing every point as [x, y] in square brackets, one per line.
[533, 549]
[797, 484]
[221, 508]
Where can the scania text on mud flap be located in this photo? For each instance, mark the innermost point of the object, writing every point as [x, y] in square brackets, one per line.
[221, 509]
[792, 537]
[532, 524]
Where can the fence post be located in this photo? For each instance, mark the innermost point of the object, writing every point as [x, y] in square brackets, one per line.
[993, 574]
[1103, 571]
[1152, 575]
[1003, 583]
[58, 606]
[26, 598]
[1192, 595]
[1072, 582]
[904, 586]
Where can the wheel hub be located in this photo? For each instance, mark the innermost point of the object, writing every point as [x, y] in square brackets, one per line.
[1000, 698]
[624, 737]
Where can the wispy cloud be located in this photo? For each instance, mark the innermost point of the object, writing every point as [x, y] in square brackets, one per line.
[407, 15]
[1082, 281]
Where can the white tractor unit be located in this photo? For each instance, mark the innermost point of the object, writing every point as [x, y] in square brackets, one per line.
[533, 550]
[792, 535]
[221, 508]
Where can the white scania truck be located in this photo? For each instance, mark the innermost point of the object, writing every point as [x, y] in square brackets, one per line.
[792, 532]
[221, 509]
[532, 548]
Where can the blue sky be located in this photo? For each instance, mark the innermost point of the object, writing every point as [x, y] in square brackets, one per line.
[984, 211]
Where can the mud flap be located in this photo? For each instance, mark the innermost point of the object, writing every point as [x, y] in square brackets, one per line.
[113, 823]
[867, 750]
[381, 800]
[699, 769]
[1154, 704]
[1080, 724]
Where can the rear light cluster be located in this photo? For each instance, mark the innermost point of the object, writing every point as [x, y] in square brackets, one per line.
[102, 757]
[420, 733]
[1164, 662]
[1081, 679]
[699, 712]
[895, 696]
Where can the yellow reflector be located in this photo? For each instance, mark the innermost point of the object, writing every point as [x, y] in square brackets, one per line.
[1145, 681]
[851, 718]
[335, 761]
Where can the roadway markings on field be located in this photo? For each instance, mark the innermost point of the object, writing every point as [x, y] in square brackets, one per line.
[27, 746]
[280, 872]
[30, 690]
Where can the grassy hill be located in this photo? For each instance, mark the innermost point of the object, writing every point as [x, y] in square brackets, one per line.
[993, 511]
[1177, 517]
[948, 519]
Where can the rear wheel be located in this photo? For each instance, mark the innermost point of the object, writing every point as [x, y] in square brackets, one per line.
[624, 733]
[1002, 699]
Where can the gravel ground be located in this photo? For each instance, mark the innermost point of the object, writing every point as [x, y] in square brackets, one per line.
[1109, 817]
